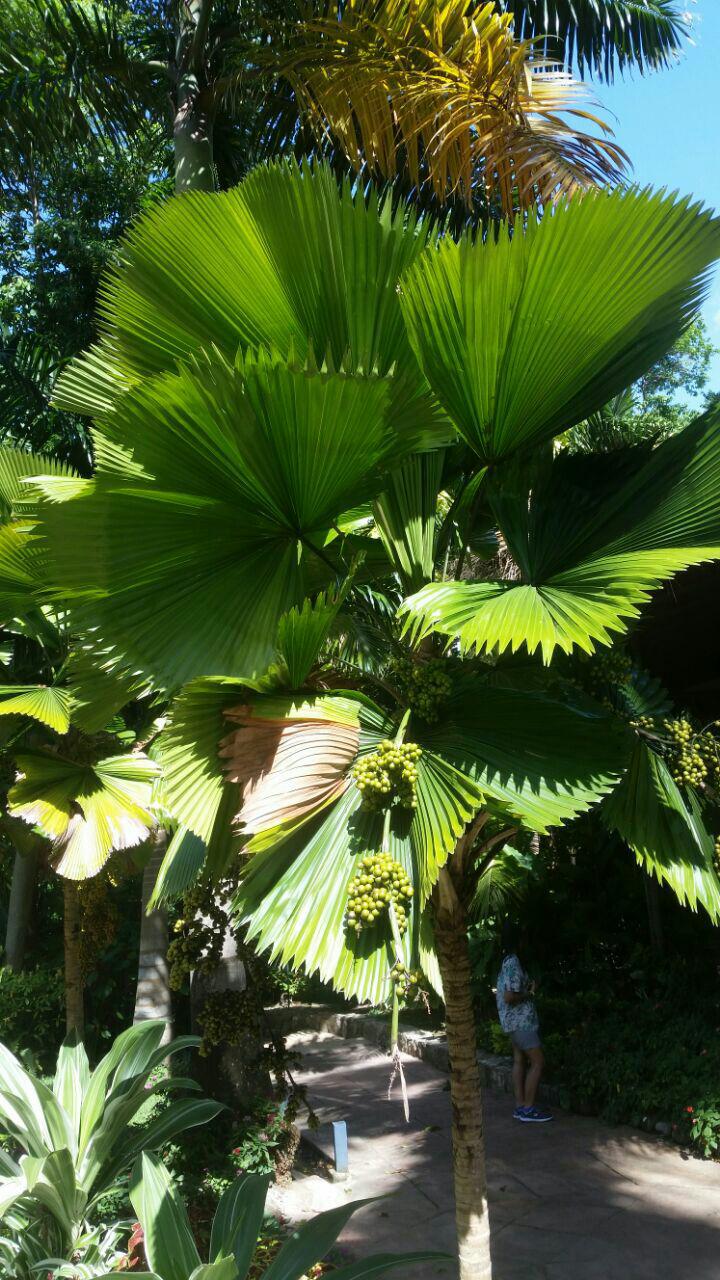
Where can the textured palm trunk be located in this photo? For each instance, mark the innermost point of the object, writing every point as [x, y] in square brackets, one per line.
[192, 135]
[20, 905]
[468, 1140]
[153, 998]
[74, 985]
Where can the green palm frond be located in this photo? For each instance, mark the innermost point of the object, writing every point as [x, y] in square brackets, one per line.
[251, 267]
[666, 830]
[522, 337]
[406, 515]
[590, 556]
[538, 760]
[448, 94]
[69, 75]
[602, 35]
[248, 466]
[17, 467]
[500, 884]
[87, 811]
[51, 706]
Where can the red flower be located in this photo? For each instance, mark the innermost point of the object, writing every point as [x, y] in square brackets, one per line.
[690, 1110]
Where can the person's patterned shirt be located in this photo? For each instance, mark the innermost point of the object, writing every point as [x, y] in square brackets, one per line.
[515, 1017]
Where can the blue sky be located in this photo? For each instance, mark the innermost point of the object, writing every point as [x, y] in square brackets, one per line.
[669, 124]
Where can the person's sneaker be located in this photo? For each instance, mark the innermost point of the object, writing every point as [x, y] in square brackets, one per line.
[532, 1115]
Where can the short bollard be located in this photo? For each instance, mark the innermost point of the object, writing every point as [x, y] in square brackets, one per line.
[340, 1150]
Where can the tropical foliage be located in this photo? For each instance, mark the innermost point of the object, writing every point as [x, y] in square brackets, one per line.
[72, 1142]
[375, 79]
[489, 343]
[172, 1253]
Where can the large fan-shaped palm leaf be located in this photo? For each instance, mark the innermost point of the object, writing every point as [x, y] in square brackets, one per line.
[281, 261]
[86, 810]
[524, 336]
[228, 496]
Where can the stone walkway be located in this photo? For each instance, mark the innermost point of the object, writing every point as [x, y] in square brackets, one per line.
[574, 1200]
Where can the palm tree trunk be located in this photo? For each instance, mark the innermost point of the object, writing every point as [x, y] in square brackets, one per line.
[22, 895]
[468, 1140]
[152, 998]
[192, 134]
[193, 125]
[74, 985]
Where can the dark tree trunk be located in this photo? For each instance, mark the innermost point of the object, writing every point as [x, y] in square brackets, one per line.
[468, 1139]
[74, 984]
[22, 896]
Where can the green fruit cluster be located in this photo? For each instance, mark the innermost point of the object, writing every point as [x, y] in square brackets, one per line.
[380, 881]
[226, 1016]
[405, 981]
[423, 685]
[716, 858]
[688, 753]
[98, 920]
[388, 776]
[200, 928]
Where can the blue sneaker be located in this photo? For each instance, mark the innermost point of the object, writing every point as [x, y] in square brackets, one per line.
[532, 1115]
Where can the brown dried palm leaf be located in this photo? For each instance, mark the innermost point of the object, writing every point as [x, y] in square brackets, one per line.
[455, 98]
[287, 768]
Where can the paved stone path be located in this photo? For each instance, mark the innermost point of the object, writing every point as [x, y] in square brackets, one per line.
[574, 1200]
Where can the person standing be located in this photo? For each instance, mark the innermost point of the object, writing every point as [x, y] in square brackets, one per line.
[515, 996]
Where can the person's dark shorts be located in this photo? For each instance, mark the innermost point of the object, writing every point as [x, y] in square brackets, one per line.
[526, 1039]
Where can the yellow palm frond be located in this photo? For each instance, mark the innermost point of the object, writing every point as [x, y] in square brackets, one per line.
[455, 99]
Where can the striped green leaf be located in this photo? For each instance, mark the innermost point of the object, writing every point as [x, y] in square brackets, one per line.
[665, 829]
[51, 706]
[87, 811]
[522, 335]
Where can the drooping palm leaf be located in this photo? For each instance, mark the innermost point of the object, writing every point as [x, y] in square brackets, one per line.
[451, 92]
[86, 810]
[538, 759]
[590, 554]
[602, 35]
[524, 336]
[665, 830]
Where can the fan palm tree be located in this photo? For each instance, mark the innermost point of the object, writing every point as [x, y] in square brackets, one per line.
[81, 793]
[453, 94]
[297, 392]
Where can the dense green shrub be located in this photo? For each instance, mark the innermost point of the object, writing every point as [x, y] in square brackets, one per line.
[32, 1012]
[637, 1050]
